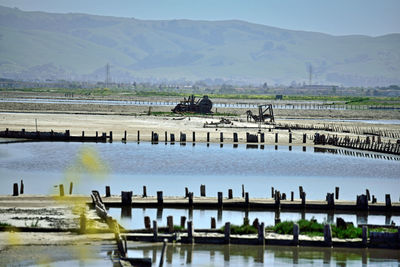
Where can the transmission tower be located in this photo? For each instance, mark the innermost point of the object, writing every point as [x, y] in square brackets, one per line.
[107, 75]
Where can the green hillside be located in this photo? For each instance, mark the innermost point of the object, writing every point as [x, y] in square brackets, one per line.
[36, 45]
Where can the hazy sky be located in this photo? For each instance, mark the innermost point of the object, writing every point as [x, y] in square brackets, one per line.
[337, 17]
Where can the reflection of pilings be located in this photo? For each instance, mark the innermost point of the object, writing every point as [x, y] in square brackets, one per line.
[327, 256]
[227, 252]
[260, 254]
[219, 215]
[170, 253]
[353, 153]
[189, 254]
[190, 214]
[126, 212]
[362, 218]
[159, 213]
[329, 216]
[295, 256]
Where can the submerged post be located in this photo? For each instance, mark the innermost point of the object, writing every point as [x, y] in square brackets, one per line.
[276, 137]
[208, 137]
[221, 137]
[138, 135]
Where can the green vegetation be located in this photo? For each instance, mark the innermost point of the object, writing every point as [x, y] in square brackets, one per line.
[34, 224]
[243, 229]
[2, 224]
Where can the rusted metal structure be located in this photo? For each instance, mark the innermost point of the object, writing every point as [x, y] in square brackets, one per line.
[202, 105]
[263, 114]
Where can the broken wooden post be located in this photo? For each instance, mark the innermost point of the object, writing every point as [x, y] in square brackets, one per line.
[227, 233]
[22, 188]
[388, 202]
[330, 200]
[291, 196]
[126, 198]
[183, 221]
[290, 138]
[186, 192]
[272, 192]
[303, 199]
[71, 185]
[108, 191]
[328, 235]
[147, 222]
[373, 199]
[83, 134]
[277, 198]
[365, 235]
[246, 199]
[296, 232]
[182, 137]
[190, 195]
[144, 191]
[362, 202]
[230, 194]
[368, 195]
[125, 134]
[242, 190]
[262, 137]
[160, 200]
[190, 231]
[220, 201]
[208, 137]
[15, 189]
[304, 138]
[155, 230]
[221, 137]
[261, 234]
[193, 137]
[138, 136]
[165, 136]
[235, 137]
[276, 137]
[337, 192]
[213, 224]
[202, 190]
[170, 224]
[111, 136]
[61, 186]
[172, 138]
[300, 191]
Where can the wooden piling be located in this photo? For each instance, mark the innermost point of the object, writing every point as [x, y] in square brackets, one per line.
[147, 222]
[125, 134]
[111, 136]
[165, 136]
[291, 196]
[290, 138]
[144, 191]
[82, 223]
[276, 137]
[303, 199]
[71, 185]
[337, 192]
[15, 189]
[138, 136]
[22, 188]
[388, 202]
[213, 224]
[242, 190]
[220, 199]
[227, 232]
[186, 192]
[155, 230]
[190, 231]
[194, 137]
[304, 138]
[182, 137]
[183, 221]
[330, 200]
[190, 195]
[362, 202]
[272, 192]
[262, 138]
[126, 198]
[296, 232]
[246, 199]
[230, 194]
[261, 234]
[300, 191]
[108, 191]
[208, 137]
[235, 137]
[170, 224]
[160, 200]
[202, 190]
[365, 235]
[328, 235]
[172, 138]
[61, 186]
[221, 137]
[368, 195]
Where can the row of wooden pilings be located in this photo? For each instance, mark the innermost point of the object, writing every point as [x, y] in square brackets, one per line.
[250, 138]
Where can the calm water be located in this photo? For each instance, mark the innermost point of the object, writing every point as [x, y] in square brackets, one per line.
[171, 168]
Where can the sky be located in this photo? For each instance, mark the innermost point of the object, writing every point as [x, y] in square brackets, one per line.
[336, 17]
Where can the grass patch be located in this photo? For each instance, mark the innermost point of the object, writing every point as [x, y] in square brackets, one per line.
[244, 229]
[3, 224]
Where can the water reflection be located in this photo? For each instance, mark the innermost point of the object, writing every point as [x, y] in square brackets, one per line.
[354, 153]
[244, 255]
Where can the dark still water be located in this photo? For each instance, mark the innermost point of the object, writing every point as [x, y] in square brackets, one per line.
[171, 168]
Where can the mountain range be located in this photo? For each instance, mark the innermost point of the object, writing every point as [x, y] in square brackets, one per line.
[39, 46]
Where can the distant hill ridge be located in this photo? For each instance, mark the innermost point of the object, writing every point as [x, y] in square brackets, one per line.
[39, 45]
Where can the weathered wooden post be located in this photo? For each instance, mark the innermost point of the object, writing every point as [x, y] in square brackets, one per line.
[144, 191]
[202, 190]
[126, 198]
[172, 138]
[276, 137]
[190, 231]
[71, 185]
[220, 200]
[261, 234]
[160, 199]
[330, 200]
[242, 190]
[108, 191]
[194, 137]
[213, 224]
[208, 137]
[22, 187]
[365, 235]
[362, 202]
[111, 136]
[337, 192]
[235, 137]
[246, 199]
[138, 136]
[227, 232]
[230, 194]
[262, 138]
[296, 232]
[291, 196]
[83, 134]
[272, 192]
[328, 235]
[155, 230]
[283, 196]
[300, 190]
[170, 223]
[147, 222]
[183, 221]
[125, 135]
[221, 137]
[304, 138]
[290, 138]
[368, 195]
[303, 199]
[15, 189]
[186, 192]
[61, 186]
[165, 136]
[388, 202]
[190, 195]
